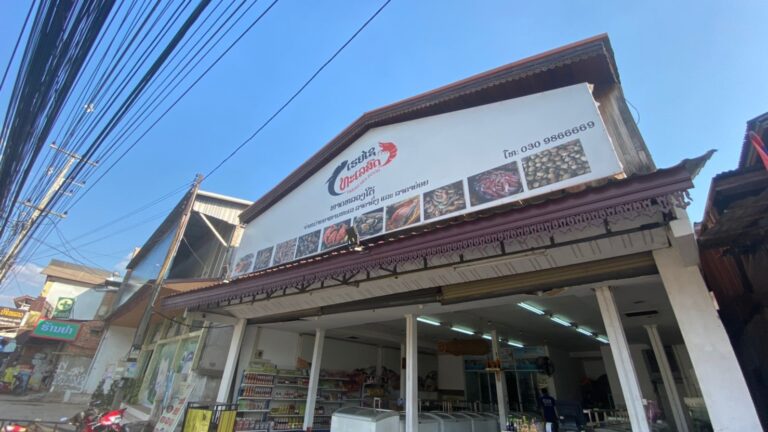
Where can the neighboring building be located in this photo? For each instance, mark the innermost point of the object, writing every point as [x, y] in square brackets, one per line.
[161, 354]
[519, 206]
[734, 252]
[61, 328]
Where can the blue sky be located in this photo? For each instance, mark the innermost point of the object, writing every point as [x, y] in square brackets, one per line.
[695, 71]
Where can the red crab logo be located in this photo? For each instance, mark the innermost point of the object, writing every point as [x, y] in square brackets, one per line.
[350, 174]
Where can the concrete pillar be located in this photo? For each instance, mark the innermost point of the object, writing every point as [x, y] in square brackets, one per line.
[314, 379]
[411, 375]
[630, 387]
[722, 383]
[230, 366]
[501, 382]
[667, 378]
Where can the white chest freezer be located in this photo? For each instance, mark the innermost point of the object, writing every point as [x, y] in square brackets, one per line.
[359, 419]
[449, 423]
[480, 423]
[426, 423]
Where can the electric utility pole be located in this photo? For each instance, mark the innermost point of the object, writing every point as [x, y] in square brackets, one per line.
[39, 209]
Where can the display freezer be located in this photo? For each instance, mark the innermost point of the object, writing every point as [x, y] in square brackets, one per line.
[449, 423]
[359, 419]
[426, 423]
[480, 423]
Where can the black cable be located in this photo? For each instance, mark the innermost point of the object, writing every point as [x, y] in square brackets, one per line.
[298, 92]
[18, 41]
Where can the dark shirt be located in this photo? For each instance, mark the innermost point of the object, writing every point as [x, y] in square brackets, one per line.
[547, 403]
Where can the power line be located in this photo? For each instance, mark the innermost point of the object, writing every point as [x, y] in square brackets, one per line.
[18, 41]
[298, 92]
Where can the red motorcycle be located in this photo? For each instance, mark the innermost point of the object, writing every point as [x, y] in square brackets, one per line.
[91, 421]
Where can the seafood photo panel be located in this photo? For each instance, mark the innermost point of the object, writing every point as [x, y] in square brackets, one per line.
[403, 213]
[444, 200]
[244, 263]
[284, 252]
[336, 234]
[369, 224]
[495, 184]
[263, 258]
[555, 165]
[308, 244]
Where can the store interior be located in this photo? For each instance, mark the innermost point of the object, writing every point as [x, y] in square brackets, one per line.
[554, 339]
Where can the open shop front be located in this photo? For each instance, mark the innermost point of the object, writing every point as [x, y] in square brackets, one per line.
[518, 207]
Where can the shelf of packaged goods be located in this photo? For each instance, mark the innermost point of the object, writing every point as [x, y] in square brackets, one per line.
[298, 415]
[256, 385]
[291, 385]
[291, 376]
[333, 389]
[252, 411]
[289, 400]
[259, 373]
[254, 397]
[334, 379]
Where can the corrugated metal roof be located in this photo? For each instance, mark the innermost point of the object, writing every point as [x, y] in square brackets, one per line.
[220, 207]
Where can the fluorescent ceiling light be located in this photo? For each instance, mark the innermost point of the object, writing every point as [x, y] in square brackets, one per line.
[515, 344]
[584, 331]
[463, 330]
[487, 336]
[560, 321]
[533, 309]
[602, 339]
[428, 321]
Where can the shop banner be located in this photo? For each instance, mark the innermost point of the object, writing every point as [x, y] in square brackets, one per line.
[10, 317]
[56, 330]
[197, 420]
[421, 171]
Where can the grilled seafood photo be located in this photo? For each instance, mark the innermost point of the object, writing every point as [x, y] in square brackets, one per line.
[263, 257]
[284, 252]
[308, 244]
[370, 223]
[444, 200]
[403, 213]
[555, 165]
[494, 184]
[336, 234]
[244, 263]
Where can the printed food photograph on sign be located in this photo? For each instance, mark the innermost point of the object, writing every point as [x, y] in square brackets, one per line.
[555, 165]
[263, 258]
[244, 263]
[403, 213]
[284, 252]
[445, 200]
[308, 244]
[497, 183]
[369, 224]
[336, 234]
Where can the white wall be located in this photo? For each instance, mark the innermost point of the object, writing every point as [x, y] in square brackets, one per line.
[641, 369]
[594, 368]
[279, 347]
[87, 300]
[115, 343]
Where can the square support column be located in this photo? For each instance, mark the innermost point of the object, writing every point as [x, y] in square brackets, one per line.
[411, 374]
[314, 379]
[722, 383]
[666, 376]
[230, 366]
[501, 382]
[630, 387]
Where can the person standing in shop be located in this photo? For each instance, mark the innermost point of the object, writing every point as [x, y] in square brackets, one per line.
[548, 406]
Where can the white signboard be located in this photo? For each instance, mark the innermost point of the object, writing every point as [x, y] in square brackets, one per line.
[421, 171]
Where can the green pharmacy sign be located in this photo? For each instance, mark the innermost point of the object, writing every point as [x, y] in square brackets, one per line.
[56, 330]
[64, 308]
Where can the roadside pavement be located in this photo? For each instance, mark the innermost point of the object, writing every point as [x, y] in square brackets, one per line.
[31, 407]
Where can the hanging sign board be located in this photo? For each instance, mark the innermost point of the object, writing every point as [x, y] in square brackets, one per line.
[10, 317]
[398, 176]
[56, 330]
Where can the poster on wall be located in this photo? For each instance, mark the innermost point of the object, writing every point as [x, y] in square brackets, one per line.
[172, 410]
[399, 176]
